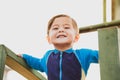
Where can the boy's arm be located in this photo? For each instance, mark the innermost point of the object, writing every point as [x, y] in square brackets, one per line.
[94, 56]
[33, 62]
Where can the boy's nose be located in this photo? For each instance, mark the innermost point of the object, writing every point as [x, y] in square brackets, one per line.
[61, 29]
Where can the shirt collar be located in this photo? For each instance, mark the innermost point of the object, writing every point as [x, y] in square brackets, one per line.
[66, 51]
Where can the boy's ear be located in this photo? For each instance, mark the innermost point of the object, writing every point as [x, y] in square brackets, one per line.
[48, 39]
[77, 37]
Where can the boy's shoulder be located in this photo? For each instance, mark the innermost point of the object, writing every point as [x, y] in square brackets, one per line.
[49, 52]
[86, 52]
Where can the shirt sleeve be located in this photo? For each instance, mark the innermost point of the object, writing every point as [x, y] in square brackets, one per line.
[91, 56]
[33, 62]
[86, 57]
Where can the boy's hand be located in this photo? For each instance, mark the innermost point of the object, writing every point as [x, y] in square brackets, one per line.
[20, 55]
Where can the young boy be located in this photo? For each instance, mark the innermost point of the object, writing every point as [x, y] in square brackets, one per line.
[63, 63]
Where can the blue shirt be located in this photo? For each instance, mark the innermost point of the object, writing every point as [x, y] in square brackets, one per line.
[63, 65]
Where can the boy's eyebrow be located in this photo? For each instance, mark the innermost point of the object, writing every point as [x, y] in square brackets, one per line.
[54, 25]
[66, 24]
[63, 24]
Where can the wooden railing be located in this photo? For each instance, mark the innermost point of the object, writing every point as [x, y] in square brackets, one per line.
[9, 58]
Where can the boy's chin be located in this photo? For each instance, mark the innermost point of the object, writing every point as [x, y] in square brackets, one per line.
[62, 43]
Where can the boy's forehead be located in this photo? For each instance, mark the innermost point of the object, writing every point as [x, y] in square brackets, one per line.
[62, 20]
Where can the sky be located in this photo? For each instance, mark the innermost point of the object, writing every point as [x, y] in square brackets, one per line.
[23, 25]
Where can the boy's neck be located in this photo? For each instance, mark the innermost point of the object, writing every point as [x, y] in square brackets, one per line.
[62, 47]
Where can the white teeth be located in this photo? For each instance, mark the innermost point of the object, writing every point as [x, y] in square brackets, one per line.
[61, 36]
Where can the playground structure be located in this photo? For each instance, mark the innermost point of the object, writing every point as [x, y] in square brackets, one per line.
[109, 49]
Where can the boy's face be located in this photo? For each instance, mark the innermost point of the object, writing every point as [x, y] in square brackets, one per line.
[62, 32]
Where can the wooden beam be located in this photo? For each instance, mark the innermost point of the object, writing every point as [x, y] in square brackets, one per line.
[99, 26]
[19, 65]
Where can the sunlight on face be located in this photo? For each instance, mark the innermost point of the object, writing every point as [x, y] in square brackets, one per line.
[62, 31]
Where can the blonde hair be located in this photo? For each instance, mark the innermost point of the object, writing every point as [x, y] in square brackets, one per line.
[62, 15]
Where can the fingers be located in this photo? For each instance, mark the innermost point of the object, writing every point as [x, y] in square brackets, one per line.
[19, 55]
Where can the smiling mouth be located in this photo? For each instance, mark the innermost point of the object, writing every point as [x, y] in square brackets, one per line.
[61, 36]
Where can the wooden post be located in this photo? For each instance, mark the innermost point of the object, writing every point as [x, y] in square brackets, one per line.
[109, 53]
[2, 61]
[115, 10]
